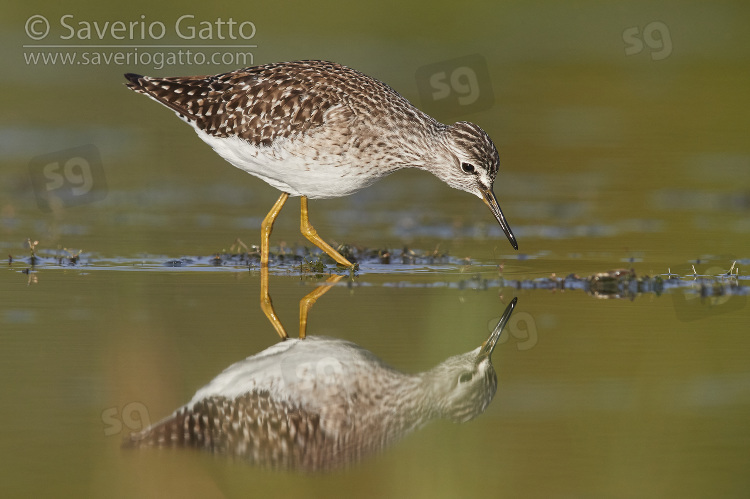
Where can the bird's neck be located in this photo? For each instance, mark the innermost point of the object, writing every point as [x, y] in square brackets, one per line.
[398, 407]
[421, 150]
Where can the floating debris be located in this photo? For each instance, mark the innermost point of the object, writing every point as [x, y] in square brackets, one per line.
[31, 246]
[301, 261]
[179, 262]
[71, 259]
[623, 283]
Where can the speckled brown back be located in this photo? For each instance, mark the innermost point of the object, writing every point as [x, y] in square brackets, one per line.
[263, 103]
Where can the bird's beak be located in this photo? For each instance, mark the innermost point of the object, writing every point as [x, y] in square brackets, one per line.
[489, 344]
[490, 200]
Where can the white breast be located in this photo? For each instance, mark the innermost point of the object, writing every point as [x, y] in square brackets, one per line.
[287, 166]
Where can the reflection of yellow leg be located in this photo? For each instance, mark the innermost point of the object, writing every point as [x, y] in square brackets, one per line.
[266, 305]
[306, 303]
[311, 234]
[267, 226]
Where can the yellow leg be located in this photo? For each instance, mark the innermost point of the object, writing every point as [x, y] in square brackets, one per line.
[265, 301]
[306, 303]
[311, 234]
[267, 226]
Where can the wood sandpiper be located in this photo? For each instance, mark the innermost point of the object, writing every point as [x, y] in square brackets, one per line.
[321, 403]
[318, 130]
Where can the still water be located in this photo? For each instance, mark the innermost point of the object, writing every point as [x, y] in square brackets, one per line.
[623, 143]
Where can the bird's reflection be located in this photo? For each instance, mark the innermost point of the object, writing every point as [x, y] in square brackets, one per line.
[321, 403]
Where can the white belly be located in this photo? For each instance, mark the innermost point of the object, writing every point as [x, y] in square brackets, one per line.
[293, 172]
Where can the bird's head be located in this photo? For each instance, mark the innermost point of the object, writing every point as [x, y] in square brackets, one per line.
[472, 167]
[464, 385]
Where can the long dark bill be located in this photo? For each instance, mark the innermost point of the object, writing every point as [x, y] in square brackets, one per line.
[489, 344]
[491, 201]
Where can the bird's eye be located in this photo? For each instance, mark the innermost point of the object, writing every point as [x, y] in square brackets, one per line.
[465, 377]
[467, 167]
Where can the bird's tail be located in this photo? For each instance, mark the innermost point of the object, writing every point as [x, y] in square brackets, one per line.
[174, 93]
